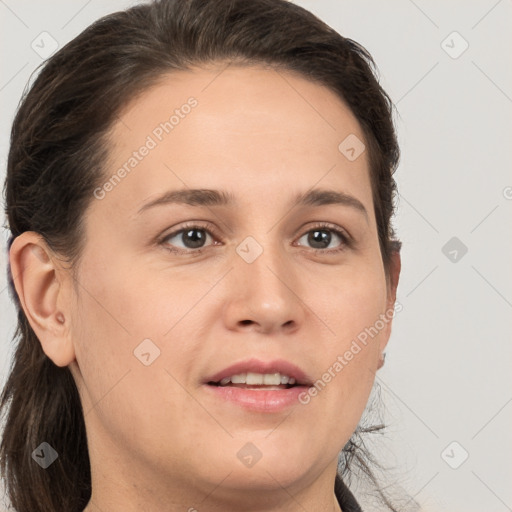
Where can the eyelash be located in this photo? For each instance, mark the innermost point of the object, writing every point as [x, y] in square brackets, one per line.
[346, 241]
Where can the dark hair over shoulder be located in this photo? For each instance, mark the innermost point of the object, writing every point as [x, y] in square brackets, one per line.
[56, 160]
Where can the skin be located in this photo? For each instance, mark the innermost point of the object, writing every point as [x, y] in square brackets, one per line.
[157, 440]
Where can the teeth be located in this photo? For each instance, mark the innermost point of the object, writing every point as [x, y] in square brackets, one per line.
[271, 379]
[254, 379]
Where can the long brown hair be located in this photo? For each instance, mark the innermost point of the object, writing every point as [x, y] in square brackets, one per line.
[58, 146]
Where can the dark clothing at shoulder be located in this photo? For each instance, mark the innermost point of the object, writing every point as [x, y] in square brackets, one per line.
[345, 498]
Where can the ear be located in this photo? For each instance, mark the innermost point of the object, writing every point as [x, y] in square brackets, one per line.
[392, 285]
[39, 282]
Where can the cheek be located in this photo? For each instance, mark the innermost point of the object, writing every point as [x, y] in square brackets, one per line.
[353, 309]
[123, 313]
[102, 345]
[103, 327]
[353, 304]
[119, 319]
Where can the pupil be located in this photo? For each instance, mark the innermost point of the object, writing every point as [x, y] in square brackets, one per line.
[319, 237]
[193, 242]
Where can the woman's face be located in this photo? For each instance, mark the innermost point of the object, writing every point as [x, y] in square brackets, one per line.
[173, 289]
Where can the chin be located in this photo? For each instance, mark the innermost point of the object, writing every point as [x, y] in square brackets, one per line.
[266, 477]
[266, 468]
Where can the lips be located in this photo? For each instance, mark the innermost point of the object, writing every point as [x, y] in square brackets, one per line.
[261, 398]
[280, 366]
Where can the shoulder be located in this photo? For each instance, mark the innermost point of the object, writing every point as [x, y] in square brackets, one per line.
[345, 498]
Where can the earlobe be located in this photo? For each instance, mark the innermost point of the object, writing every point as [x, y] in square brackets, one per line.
[396, 265]
[36, 274]
[382, 360]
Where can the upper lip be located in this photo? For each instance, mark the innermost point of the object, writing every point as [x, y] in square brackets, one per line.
[257, 366]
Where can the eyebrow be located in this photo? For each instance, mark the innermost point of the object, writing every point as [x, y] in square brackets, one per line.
[209, 197]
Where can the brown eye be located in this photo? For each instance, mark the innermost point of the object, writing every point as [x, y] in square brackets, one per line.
[188, 238]
[321, 238]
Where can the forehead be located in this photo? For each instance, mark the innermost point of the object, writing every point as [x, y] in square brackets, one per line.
[243, 128]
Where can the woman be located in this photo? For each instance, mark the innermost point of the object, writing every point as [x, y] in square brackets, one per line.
[200, 197]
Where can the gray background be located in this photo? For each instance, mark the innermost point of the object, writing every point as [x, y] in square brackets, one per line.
[447, 376]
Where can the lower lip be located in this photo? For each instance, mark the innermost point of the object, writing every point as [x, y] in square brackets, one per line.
[259, 400]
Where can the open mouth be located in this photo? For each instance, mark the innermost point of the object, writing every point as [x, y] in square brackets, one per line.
[259, 387]
[253, 386]
[252, 380]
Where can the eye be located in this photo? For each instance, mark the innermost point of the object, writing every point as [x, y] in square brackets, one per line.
[191, 238]
[187, 238]
[321, 237]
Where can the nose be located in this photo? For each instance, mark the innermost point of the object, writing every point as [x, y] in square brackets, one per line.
[264, 295]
